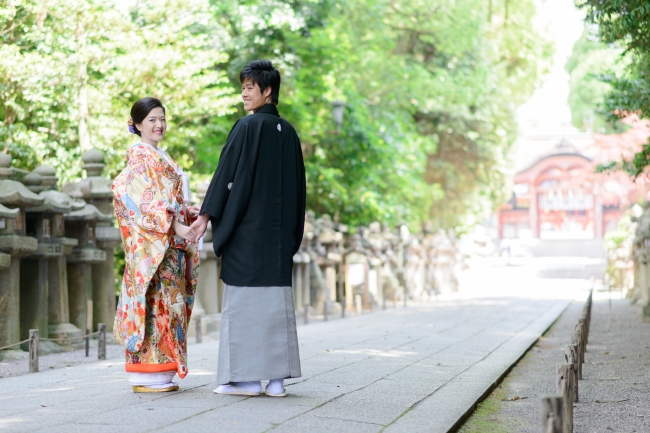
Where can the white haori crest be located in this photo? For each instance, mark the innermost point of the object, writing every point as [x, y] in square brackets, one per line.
[279, 127]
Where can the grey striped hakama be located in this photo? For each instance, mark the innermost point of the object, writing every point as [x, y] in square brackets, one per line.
[258, 339]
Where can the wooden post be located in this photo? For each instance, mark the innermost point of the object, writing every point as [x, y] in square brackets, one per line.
[571, 357]
[580, 329]
[552, 414]
[199, 330]
[33, 350]
[575, 339]
[564, 387]
[101, 341]
[585, 329]
[87, 342]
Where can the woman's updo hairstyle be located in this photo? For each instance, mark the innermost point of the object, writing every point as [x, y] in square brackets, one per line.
[140, 110]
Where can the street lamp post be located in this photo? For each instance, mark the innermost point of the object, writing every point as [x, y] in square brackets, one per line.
[337, 113]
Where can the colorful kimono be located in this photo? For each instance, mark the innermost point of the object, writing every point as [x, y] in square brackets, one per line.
[159, 281]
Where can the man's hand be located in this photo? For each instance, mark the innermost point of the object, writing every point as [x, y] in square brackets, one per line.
[198, 227]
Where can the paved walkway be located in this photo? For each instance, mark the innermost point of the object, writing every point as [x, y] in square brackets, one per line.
[420, 368]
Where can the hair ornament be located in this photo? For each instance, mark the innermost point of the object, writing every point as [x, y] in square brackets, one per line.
[131, 127]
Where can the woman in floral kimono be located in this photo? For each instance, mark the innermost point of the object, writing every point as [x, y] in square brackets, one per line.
[161, 258]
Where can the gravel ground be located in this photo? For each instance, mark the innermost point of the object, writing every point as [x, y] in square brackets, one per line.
[614, 392]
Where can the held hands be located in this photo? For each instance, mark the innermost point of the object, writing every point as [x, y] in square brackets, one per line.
[194, 232]
[198, 227]
[183, 231]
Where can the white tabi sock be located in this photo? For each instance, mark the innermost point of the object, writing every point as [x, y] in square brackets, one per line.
[255, 386]
[240, 388]
[275, 386]
[152, 380]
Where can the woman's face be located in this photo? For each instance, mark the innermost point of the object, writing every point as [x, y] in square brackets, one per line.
[153, 126]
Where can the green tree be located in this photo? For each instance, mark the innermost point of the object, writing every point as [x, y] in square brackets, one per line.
[74, 67]
[625, 24]
[430, 90]
[431, 93]
[592, 60]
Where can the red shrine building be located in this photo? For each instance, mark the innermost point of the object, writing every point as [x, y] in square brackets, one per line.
[559, 195]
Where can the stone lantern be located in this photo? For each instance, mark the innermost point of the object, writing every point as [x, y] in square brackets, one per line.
[301, 274]
[642, 247]
[329, 257]
[82, 225]
[356, 275]
[639, 252]
[377, 259]
[14, 198]
[40, 222]
[56, 205]
[317, 283]
[97, 191]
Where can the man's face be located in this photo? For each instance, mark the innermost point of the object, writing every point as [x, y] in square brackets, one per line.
[252, 97]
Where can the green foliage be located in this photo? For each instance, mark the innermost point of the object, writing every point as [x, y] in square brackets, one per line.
[61, 56]
[634, 167]
[430, 90]
[590, 67]
[431, 93]
[625, 24]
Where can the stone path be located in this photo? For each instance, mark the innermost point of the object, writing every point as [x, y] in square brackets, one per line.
[420, 368]
[614, 394]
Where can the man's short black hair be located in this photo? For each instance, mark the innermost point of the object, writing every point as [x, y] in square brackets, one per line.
[262, 73]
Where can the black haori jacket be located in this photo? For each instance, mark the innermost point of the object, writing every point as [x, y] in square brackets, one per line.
[256, 201]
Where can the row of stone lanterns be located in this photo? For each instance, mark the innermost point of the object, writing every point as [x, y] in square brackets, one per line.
[56, 255]
[57, 261]
[337, 272]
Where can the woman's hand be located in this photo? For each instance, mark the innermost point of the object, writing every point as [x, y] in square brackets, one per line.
[194, 210]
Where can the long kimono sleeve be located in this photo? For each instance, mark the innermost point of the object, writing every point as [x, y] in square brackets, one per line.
[232, 183]
[149, 206]
[302, 196]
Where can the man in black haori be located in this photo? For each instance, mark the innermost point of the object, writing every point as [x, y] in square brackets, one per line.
[256, 203]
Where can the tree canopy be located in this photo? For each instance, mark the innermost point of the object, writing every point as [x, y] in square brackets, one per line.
[430, 90]
[624, 25]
